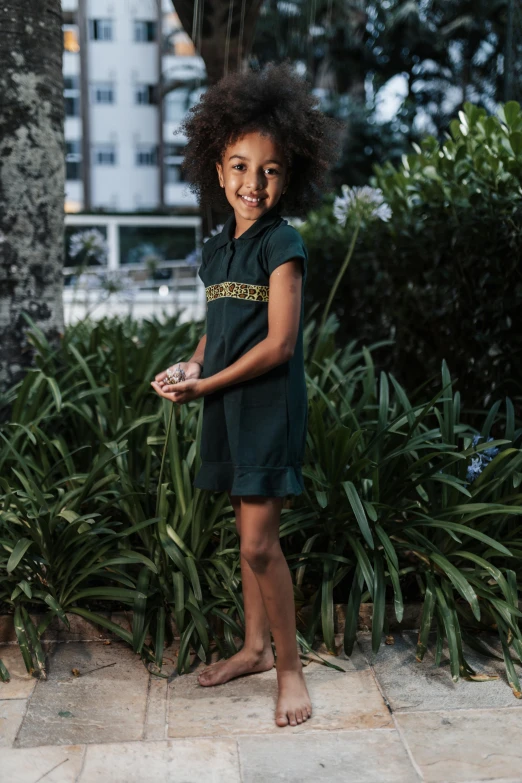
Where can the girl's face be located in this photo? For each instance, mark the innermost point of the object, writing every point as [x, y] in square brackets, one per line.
[254, 174]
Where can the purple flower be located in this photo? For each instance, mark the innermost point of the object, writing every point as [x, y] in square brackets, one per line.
[479, 462]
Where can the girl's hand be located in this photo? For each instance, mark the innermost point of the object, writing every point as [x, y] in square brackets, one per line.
[192, 370]
[181, 392]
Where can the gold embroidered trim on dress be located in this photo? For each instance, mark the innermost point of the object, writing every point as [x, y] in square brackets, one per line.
[254, 293]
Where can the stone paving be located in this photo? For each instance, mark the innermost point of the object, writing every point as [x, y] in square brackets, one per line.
[382, 719]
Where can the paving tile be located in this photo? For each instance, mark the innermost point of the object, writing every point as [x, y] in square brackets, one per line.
[49, 764]
[100, 706]
[410, 685]
[337, 757]
[341, 700]
[156, 717]
[465, 745]
[175, 761]
[21, 684]
[12, 712]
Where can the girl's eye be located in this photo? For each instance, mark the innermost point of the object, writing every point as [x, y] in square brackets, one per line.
[273, 171]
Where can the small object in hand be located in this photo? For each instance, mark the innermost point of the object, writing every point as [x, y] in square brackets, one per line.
[175, 375]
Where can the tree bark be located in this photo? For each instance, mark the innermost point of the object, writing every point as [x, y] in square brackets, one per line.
[32, 179]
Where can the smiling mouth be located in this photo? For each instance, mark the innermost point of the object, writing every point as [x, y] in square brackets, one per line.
[252, 202]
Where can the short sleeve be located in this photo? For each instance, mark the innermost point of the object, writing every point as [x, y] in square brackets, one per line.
[204, 260]
[282, 245]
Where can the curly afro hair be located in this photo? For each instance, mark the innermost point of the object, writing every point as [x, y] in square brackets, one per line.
[276, 102]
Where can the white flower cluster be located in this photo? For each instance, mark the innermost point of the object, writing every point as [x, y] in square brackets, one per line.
[368, 202]
[117, 281]
[91, 243]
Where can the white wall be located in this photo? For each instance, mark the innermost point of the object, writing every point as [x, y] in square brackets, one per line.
[125, 186]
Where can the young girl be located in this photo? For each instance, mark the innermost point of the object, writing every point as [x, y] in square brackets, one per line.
[258, 145]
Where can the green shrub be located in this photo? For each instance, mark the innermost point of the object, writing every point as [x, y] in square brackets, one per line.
[90, 512]
[442, 277]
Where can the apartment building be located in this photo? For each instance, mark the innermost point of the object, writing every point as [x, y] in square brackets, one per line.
[123, 147]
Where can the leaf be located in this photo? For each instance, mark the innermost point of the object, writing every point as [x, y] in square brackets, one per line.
[327, 607]
[21, 547]
[358, 510]
[352, 611]
[449, 621]
[378, 601]
[428, 608]
[459, 581]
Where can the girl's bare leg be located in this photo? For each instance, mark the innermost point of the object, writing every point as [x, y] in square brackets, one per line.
[260, 547]
[256, 654]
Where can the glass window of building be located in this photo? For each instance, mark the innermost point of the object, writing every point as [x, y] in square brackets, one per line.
[147, 155]
[144, 94]
[73, 159]
[72, 105]
[71, 82]
[102, 92]
[71, 35]
[100, 29]
[173, 158]
[144, 31]
[71, 38]
[149, 246]
[177, 104]
[104, 154]
[71, 95]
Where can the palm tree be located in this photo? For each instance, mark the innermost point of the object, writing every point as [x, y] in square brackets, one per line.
[32, 178]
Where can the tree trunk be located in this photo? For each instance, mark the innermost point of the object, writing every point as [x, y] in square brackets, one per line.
[32, 179]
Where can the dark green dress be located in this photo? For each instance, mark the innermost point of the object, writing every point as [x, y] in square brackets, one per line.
[254, 432]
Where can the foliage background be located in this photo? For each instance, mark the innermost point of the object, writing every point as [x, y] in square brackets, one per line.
[97, 506]
[443, 277]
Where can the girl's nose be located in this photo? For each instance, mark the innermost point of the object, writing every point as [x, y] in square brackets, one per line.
[256, 181]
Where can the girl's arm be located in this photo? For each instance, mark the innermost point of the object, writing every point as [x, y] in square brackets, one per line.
[199, 354]
[284, 309]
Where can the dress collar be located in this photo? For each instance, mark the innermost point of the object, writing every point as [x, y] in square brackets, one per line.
[228, 230]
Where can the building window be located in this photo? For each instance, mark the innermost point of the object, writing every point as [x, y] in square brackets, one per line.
[71, 95]
[144, 94]
[71, 83]
[73, 160]
[71, 38]
[147, 155]
[144, 31]
[72, 105]
[177, 103]
[102, 92]
[173, 174]
[104, 154]
[172, 160]
[100, 29]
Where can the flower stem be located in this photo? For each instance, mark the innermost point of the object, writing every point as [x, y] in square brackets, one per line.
[169, 422]
[338, 279]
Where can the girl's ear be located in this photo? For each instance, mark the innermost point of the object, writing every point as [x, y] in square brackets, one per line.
[219, 168]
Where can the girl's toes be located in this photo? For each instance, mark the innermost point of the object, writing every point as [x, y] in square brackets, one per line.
[281, 719]
[291, 718]
[299, 716]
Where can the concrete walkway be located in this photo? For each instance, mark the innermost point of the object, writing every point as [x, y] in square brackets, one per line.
[389, 719]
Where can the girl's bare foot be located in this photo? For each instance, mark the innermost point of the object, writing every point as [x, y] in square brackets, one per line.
[243, 662]
[293, 704]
